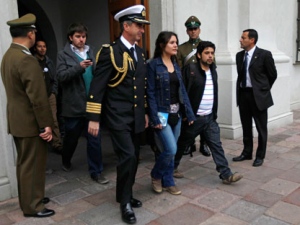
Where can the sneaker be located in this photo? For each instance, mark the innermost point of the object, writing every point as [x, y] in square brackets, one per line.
[156, 185]
[67, 168]
[233, 178]
[100, 179]
[177, 174]
[172, 190]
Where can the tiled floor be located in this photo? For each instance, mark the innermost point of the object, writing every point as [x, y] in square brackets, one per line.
[267, 195]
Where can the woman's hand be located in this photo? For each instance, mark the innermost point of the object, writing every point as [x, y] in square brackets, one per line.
[158, 126]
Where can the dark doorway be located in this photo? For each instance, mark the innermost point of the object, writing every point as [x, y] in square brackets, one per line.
[43, 24]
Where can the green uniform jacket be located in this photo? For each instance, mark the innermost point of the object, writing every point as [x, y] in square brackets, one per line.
[28, 108]
[185, 49]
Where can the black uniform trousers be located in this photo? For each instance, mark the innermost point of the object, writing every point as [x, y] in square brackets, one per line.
[31, 167]
[249, 110]
[126, 145]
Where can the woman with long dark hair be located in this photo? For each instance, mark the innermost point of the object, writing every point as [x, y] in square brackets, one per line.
[168, 103]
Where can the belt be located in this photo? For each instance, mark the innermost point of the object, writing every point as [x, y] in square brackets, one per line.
[203, 115]
[246, 89]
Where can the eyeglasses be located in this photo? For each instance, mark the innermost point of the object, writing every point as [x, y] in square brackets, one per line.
[192, 28]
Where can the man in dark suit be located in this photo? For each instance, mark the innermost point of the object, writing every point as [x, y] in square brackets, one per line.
[119, 86]
[29, 116]
[256, 75]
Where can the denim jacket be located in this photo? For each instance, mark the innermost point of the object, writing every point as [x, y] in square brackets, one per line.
[158, 91]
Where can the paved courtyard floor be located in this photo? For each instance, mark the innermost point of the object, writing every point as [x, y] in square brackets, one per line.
[267, 195]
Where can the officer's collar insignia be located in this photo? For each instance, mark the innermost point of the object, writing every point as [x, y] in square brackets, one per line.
[26, 52]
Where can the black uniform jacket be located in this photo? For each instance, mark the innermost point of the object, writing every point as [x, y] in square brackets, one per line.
[120, 99]
[194, 78]
[262, 73]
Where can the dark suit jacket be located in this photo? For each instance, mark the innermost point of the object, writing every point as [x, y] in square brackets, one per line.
[262, 73]
[28, 107]
[124, 104]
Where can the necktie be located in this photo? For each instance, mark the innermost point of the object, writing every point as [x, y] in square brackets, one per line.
[244, 71]
[132, 50]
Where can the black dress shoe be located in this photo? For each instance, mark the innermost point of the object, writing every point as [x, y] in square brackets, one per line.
[128, 215]
[135, 203]
[45, 200]
[204, 150]
[44, 213]
[241, 158]
[258, 162]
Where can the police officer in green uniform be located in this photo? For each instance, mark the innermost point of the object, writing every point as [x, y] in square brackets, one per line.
[117, 96]
[29, 115]
[187, 50]
[186, 54]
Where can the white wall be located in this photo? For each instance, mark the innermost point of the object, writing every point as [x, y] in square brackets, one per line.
[8, 184]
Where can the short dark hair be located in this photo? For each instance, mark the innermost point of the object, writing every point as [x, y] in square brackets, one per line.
[38, 40]
[76, 27]
[252, 34]
[161, 42]
[203, 45]
[20, 31]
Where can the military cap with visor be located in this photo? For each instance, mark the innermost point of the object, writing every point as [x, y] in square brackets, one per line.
[26, 21]
[192, 22]
[136, 13]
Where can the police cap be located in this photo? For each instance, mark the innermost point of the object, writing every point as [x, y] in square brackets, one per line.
[134, 13]
[27, 20]
[192, 22]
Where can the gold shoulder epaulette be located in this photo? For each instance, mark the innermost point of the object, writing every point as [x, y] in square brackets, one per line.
[98, 53]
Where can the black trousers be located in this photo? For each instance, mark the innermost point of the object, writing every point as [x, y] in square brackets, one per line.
[126, 145]
[249, 110]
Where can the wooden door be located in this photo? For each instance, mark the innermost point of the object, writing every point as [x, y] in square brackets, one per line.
[115, 6]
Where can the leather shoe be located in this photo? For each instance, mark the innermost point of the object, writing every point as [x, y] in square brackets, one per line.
[258, 162]
[45, 200]
[241, 158]
[135, 203]
[204, 150]
[44, 213]
[128, 215]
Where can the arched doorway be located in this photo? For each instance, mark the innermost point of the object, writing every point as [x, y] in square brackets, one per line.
[43, 24]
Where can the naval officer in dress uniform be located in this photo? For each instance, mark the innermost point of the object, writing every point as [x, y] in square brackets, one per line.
[29, 115]
[117, 96]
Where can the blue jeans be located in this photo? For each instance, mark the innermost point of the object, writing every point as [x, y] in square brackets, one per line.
[211, 131]
[74, 126]
[164, 165]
